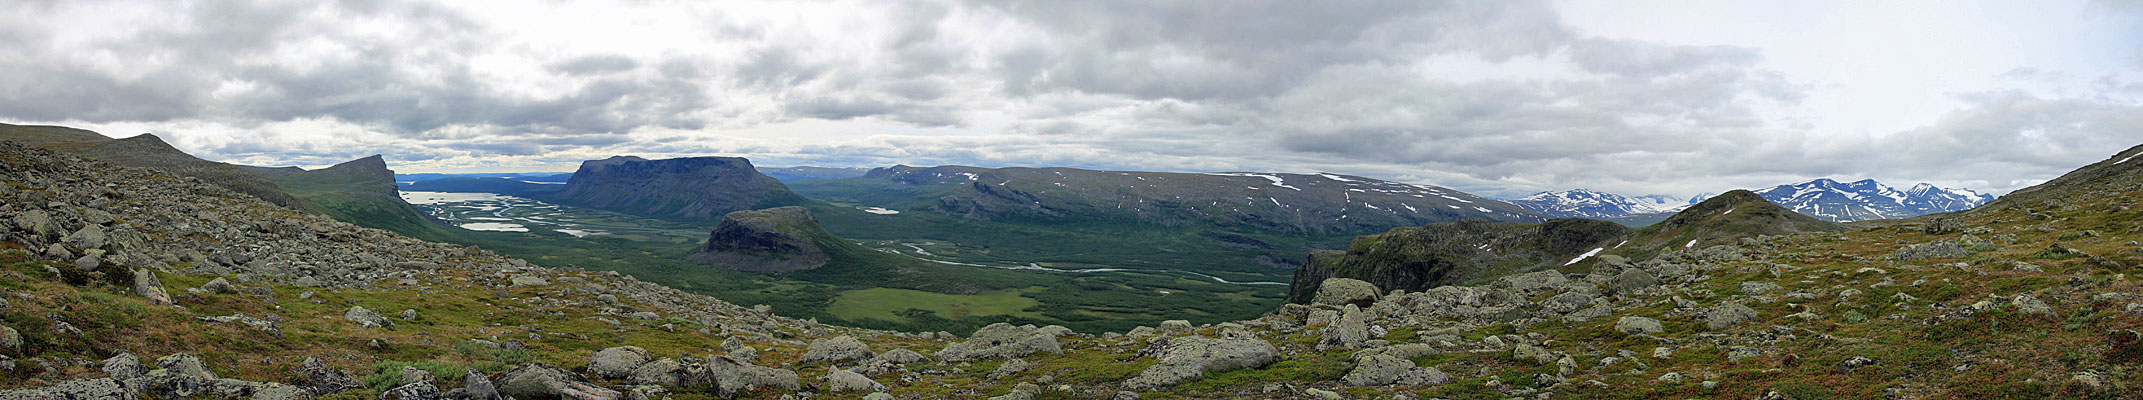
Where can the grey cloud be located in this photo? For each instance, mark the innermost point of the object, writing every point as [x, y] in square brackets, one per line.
[595, 64]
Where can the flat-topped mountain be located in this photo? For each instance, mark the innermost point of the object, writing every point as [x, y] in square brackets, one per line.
[695, 188]
[1867, 199]
[774, 239]
[1302, 203]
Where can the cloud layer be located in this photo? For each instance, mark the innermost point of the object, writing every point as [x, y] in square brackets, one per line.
[1497, 98]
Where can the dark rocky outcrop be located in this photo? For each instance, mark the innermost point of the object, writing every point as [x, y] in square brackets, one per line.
[1419, 258]
[774, 239]
[696, 188]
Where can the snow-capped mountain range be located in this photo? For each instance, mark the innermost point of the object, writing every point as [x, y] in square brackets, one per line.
[1867, 199]
[1581, 203]
[1823, 199]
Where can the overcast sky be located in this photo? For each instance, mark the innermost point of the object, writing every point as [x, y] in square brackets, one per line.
[1499, 98]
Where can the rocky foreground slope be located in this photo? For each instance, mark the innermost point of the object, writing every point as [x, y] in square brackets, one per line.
[100, 276]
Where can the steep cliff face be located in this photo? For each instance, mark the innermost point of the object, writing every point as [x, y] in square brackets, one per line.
[360, 191]
[774, 239]
[696, 188]
[1424, 257]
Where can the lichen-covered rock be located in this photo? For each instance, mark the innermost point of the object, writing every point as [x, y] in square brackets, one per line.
[366, 318]
[616, 362]
[1002, 340]
[146, 285]
[841, 380]
[1630, 281]
[1759, 288]
[419, 390]
[1638, 326]
[665, 372]
[1349, 332]
[1936, 249]
[1191, 357]
[902, 356]
[839, 348]
[539, 381]
[1008, 368]
[1342, 291]
[1726, 316]
[2026, 304]
[124, 367]
[321, 380]
[85, 389]
[729, 375]
[1380, 370]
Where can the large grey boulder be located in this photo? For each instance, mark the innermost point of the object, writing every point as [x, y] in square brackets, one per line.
[366, 318]
[665, 372]
[1936, 249]
[419, 390]
[729, 375]
[1638, 326]
[839, 348]
[85, 389]
[616, 362]
[539, 381]
[1726, 316]
[902, 356]
[474, 386]
[124, 367]
[1190, 357]
[321, 380]
[10, 339]
[1002, 340]
[1759, 288]
[91, 236]
[146, 285]
[1341, 291]
[1533, 282]
[841, 380]
[1631, 280]
[1351, 331]
[1380, 370]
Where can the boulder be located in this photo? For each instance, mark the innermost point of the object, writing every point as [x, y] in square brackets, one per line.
[729, 375]
[475, 386]
[902, 356]
[420, 390]
[1726, 316]
[366, 318]
[2026, 304]
[837, 349]
[321, 380]
[10, 340]
[1638, 326]
[146, 285]
[218, 286]
[1631, 280]
[1190, 357]
[1380, 370]
[1008, 368]
[84, 389]
[1759, 288]
[616, 362]
[1002, 340]
[665, 372]
[1342, 291]
[539, 381]
[841, 380]
[1351, 331]
[124, 367]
